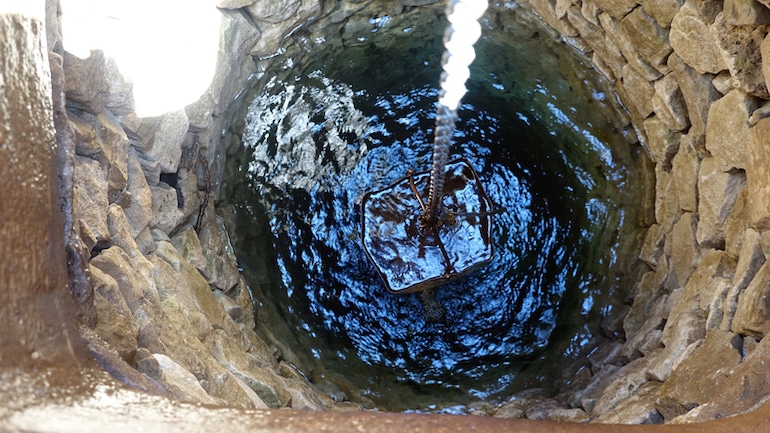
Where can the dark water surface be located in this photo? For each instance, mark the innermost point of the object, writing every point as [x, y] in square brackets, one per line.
[317, 136]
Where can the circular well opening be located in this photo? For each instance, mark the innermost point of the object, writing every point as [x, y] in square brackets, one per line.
[349, 108]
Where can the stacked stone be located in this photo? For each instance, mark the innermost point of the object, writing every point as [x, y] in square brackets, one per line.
[692, 76]
[171, 308]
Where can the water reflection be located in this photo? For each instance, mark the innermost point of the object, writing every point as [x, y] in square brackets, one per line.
[316, 141]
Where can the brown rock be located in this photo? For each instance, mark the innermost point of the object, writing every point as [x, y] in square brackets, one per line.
[663, 142]
[698, 93]
[115, 323]
[717, 194]
[615, 33]
[764, 51]
[758, 174]
[750, 259]
[753, 311]
[701, 376]
[662, 10]
[682, 247]
[640, 92]
[694, 41]
[638, 409]
[667, 209]
[740, 47]
[91, 204]
[648, 38]
[727, 132]
[113, 152]
[684, 171]
[616, 9]
[746, 12]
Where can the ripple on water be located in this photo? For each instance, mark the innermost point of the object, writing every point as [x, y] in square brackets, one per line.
[316, 146]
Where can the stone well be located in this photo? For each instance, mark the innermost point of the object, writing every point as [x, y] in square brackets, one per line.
[161, 306]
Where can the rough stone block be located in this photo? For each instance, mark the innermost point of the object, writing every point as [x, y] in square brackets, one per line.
[717, 193]
[758, 174]
[121, 90]
[683, 248]
[694, 41]
[164, 143]
[640, 92]
[91, 204]
[700, 376]
[669, 105]
[166, 215]
[751, 258]
[740, 47]
[637, 409]
[663, 142]
[764, 51]
[662, 10]
[746, 12]
[113, 153]
[139, 211]
[182, 384]
[612, 29]
[698, 92]
[667, 209]
[648, 38]
[727, 131]
[617, 9]
[684, 170]
[87, 86]
[752, 315]
[115, 323]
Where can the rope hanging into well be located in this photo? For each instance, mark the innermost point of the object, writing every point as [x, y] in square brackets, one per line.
[463, 31]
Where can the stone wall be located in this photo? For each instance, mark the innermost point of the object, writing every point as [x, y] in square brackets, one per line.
[692, 76]
[163, 307]
[169, 303]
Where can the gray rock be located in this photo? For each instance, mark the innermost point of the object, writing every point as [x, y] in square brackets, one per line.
[91, 204]
[139, 212]
[121, 90]
[222, 268]
[87, 85]
[164, 136]
[273, 12]
[166, 215]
